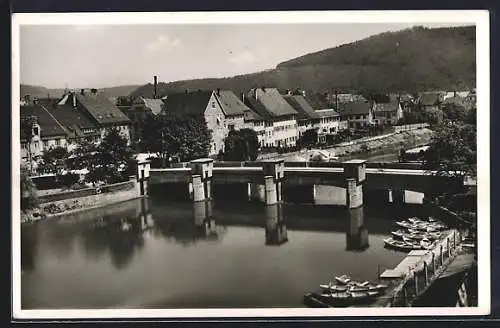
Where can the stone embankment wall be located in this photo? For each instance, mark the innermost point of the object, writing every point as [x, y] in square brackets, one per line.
[78, 200]
[371, 146]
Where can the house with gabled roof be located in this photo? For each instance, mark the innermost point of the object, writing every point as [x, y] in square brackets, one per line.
[430, 100]
[358, 114]
[100, 110]
[221, 109]
[388, 112]
[281, 128]
[46, 131]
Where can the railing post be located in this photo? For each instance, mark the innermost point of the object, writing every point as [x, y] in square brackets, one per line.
[441, 256]
[448, 244]
[433, 262]
[415, 278]
[405, 295]
[426, 273]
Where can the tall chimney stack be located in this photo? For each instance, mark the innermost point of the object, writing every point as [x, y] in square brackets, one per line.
[155, 86]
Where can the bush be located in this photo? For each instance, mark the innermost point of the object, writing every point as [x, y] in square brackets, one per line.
[69, 179]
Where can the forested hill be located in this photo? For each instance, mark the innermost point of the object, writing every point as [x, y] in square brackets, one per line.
[42, 92]
[412, 60]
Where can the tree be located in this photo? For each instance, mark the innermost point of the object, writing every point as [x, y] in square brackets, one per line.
[29, 197]
[309, 138]
[54, 159]
[433, 116]
[241, 145]
[455, 112]
[113, 157]
[184, 137]
[452, 150]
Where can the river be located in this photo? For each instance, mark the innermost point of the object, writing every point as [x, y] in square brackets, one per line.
[153, 253]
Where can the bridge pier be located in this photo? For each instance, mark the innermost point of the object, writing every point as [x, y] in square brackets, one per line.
[274, 172]
[201, 178]
[355, 175]
[143, 169]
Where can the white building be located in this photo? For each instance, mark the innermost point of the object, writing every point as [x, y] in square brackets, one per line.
[276, 115]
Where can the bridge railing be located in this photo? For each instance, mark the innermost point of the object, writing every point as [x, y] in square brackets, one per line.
[425, 272]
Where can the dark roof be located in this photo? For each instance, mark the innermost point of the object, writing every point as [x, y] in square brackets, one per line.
[317, 101]
[101, 108]
[326, 113]
[355, 108]
[73, 119]
[430, 99]
[191, 103]
[230, 103]
[391, 106]
[299, 103]
[251, 115]
[269, 102]
[49, 127]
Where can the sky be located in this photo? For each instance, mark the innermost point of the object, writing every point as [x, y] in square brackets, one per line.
[97, 56]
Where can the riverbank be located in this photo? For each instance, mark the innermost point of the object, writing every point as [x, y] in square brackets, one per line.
[74, 201]
[367, 147]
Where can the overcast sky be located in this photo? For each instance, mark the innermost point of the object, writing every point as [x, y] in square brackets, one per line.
[109, 55]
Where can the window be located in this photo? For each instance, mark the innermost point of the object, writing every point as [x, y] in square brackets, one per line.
[58, 142]
[35, 131]
[213, 104]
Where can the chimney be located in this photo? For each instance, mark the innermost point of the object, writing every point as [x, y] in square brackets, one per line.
[82, 92]
[218, 92]
[155, 90]
[337, 99]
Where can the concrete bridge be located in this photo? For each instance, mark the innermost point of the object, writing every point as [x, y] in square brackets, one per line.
[270, 180]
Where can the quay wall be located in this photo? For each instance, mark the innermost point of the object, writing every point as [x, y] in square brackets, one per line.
[68, 202]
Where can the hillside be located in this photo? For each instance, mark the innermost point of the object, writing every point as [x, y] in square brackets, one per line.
[42, 92]
[412, 60]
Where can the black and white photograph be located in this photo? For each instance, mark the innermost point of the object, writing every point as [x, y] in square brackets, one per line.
[250, 164]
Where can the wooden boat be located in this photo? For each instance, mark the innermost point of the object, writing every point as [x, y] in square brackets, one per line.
[398, 233]
[343, 279]
[405, 224]
[400, 245]
[414, 220]
[426, 244]
[378, 287]
[334, 288]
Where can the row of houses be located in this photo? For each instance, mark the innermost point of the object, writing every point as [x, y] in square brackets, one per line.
[279, 118]
[64, 122]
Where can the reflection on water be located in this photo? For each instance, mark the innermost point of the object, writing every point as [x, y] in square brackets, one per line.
[276, 233]
[357, 233]
[149, 253]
